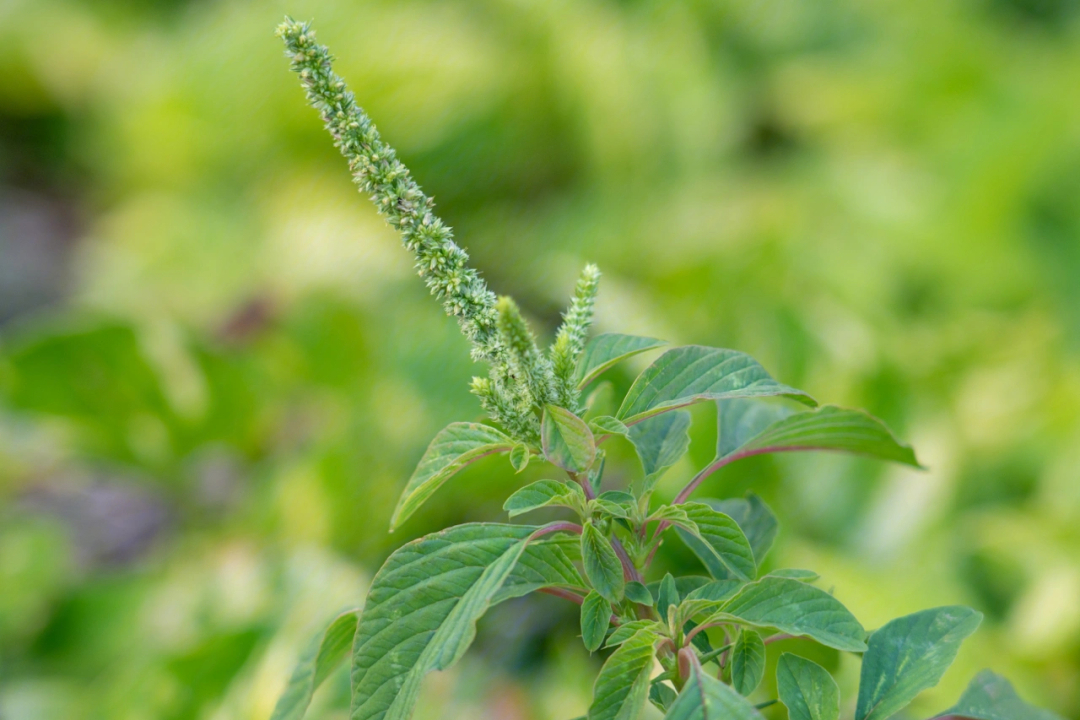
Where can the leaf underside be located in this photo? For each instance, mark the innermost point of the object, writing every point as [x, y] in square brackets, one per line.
[747, 662]
[706, 698]
[568, 442]
[606, 350]
[806, 689]
[321, 658]
[719, 543]
[623, 684]
[991, 697]
[660, 442]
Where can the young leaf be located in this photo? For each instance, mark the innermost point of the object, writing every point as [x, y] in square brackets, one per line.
[832, 428]
[519, 458]
[622, 686]
[909, 655]
[806, 689]
[719, 543]
[798, 609]
[424, 602]
[706, 698]
[695, 373]
[667, 596]
[605, 350]
[607, 425]
[602, 565]
[991, 697]
[683, 585]
[541, 494]
[595, 619]
[660, 442]
[456, 445]
[747, 662]
[629, 629]
[638, 593]
[755, 518]
[568, 442]
[322, 656]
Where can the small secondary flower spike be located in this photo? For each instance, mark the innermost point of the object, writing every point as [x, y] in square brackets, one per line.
[705, 630]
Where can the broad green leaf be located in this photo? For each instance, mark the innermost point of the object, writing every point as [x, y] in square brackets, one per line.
[716, 590]
[795, 574]
[798, 609]
[607, 425]
[706, 698]
[322, 656]
[719, 543]
[672, 514]
[909, 655]
[755, 518]
[541, 494]
[567, 440]
[623, 684]
[991, 697]
[683, 585]
[662, 695]
[695, 373]
[610, 508]
[519, 458]
[690, 607]
[595, 619]
[832, 428]
[749, 427]
[747, 662]
[602, 565]
[636, 592]
[806, 689]
[629, 629]
[424, 602]
[660, 442]
[456, 445]
[605, 350]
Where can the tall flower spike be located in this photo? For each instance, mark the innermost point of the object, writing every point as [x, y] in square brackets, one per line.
[570, 339]
[527, 363]
[439, 260]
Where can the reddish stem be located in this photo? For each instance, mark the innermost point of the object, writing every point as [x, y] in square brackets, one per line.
[557, 527]
[781, 636]
[564, 594]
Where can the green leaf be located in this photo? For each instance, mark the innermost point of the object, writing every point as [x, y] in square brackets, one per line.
[991, 697]
[718, 542]
[683, 585]
[602, 565]
[660, 442]
[424, 601]
[519, 458]
[605, 350]
[798, 609]
[832, 428]
[628, 629]
[706, 698]
[595, 619]
[755, 519]
[667, 595]
[456, 445]
[541, 494]
[747, 662]
[806, 689]
[695, 373]
[568, 442]
[749, 427]
[607, 425]
[909, 655]
[662, 695]
[322, 656]
[795, 574]
[623, 683]
[638, 593]
[715, 591]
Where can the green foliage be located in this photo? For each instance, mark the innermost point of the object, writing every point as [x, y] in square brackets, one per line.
[318, 661]
[992, 697]
[424, 603]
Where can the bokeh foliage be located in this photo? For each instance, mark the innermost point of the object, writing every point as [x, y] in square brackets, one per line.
[197, 457]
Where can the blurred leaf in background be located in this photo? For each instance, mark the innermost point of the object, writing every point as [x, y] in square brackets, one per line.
[203, 322]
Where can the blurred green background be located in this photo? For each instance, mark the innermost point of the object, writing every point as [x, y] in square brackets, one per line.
[217, 369]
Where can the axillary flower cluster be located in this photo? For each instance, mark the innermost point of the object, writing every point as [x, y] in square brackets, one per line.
[522, 379]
